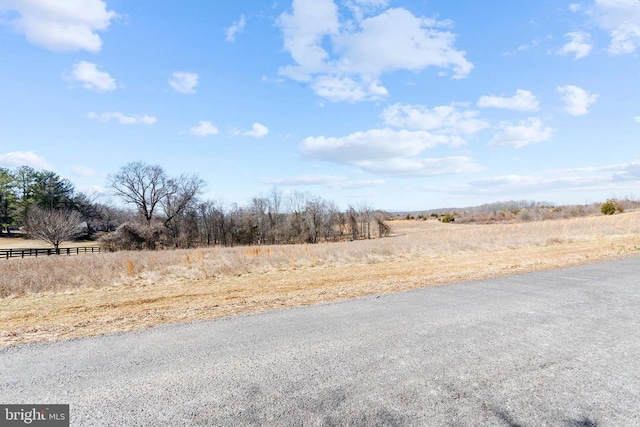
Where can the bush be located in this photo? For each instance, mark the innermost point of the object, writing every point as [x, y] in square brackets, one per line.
[447, 218]
[135, 236]
[610, 207]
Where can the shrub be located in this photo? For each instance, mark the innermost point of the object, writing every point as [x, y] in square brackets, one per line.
[447, 218]
[610, 207]
[135, 236]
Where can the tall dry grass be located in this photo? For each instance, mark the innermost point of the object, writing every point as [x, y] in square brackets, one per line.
[410, 239]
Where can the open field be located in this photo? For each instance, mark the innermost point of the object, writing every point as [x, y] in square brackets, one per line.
[59, 297]
[21, 242]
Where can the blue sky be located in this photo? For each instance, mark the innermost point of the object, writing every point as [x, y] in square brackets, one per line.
[406, 105]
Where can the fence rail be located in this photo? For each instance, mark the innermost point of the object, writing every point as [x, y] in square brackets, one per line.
[21, 253]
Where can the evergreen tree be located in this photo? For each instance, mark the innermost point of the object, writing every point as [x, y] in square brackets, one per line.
[8, 206]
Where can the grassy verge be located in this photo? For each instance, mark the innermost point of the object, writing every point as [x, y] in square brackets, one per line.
[64, 297]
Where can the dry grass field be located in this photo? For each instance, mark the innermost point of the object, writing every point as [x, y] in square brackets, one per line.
[54, 298]
[21, 242]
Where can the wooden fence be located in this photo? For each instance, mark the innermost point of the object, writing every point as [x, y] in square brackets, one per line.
[21, 253]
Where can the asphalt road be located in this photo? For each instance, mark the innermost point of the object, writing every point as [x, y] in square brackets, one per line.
[558, 348]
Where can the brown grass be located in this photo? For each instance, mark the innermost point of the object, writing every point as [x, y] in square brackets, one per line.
[61, 297]
[22, 242]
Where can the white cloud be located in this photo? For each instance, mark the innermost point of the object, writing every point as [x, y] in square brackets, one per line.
[204, 128]
[83, 172]
[585, 178]
[628, 172]
[91, 77]
[304, 31]
[323, 180]
[523, 100]
[184, 82]
[376, 144]
[637, 119]
[360, 8]
[336, 57]
[577, 100]
[258, 131]
[574, 7]
[520, 183]
[442, 120]
[24, 158]
[621, 18]
[526, 132]
[235, 29]
[526, 46]
[403, 42]
[533, 43]
[123, 119]
[67, 25]
[347, 88]
[388, 151]
[412, 167]
[579, 45]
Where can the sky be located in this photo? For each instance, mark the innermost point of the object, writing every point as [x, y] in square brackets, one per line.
[402, 104]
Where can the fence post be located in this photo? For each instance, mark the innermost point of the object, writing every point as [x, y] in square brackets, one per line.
[23, 253]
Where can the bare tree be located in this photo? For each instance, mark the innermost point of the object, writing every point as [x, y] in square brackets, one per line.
[314, 213]
[179, 194]
[364, 213]
[259, 218]
[383, 228]
[352, 222]
[296, 203]
[332, 223]
[141, 185]
[275, 207]
[53, 226]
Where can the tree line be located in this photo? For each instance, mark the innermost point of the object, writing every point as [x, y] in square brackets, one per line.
[48, 207]
[167, 211]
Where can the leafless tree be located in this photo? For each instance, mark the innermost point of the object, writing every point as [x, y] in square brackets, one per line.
[275, 213]
[259, 218]
[383, 228]
[179, 194]
[296, 204]
[364, 213]
[141, 185]
[352, 222]
[172, 214]
[53, 226]
[331, 225]
[314, 213]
